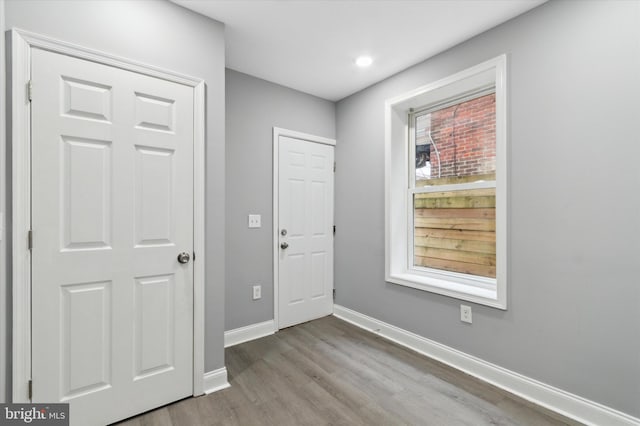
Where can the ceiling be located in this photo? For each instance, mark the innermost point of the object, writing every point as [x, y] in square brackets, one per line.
[311, 45]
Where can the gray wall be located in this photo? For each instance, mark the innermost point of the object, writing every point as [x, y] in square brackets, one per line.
[574, 298]
[163, 34]
[253, 108]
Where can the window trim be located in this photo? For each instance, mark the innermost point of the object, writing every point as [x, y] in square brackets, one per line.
[399, 268]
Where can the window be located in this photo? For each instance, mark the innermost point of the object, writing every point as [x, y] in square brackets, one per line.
[446, 186]
[453, 185]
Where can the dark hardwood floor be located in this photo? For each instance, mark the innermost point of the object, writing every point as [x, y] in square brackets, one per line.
[329, 372]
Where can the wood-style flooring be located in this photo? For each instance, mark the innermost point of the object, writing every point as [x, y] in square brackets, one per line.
[329, 372]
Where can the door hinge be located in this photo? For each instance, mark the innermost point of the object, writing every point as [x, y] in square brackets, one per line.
[30, 90]
[334, 163]
[30, 239]
[334, 230]
[334, 294]
[194, 256]
[30, 389]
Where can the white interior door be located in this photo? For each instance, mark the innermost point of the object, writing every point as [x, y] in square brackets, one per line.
[305, 210]
[112, 206]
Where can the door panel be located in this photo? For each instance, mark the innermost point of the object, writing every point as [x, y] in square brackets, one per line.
[318, 274]
[305, 208]
[153, 330]
[86, 166]
[86, 338]
[154, 206]
[86, 99]
[154, 113]
[112, 206]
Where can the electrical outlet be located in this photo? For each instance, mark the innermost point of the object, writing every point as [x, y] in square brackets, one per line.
[255, 221]
[257, 292]
[465, 314]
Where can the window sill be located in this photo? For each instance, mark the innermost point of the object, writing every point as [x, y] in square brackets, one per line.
[450, 288]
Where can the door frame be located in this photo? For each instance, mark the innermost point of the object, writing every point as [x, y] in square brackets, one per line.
[21, 44]
[277, 132]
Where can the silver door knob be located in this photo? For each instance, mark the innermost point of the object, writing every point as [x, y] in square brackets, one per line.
[284, 246]
[184, 257]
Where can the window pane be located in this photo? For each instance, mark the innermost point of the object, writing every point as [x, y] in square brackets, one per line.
[456, 231]
[457, 144]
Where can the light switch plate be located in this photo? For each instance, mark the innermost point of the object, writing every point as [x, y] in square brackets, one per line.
[257, 292]
[255, 221]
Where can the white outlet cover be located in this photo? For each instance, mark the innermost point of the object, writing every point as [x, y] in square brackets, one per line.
[255, 221]
[465, 314]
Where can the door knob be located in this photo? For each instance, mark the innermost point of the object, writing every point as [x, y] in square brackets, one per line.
[284, 246]
[184, 257]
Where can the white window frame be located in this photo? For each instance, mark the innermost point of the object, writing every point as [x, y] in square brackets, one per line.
[399, 191]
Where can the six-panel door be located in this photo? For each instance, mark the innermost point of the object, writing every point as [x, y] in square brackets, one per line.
[112, 207]
[306, 215]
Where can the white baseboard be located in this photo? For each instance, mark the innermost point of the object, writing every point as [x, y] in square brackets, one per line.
[562, 402]
[215, 380]
[250, 332]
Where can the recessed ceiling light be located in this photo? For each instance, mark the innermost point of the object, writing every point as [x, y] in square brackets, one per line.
[364, 61]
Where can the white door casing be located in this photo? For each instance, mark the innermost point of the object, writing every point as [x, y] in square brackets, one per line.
[304, 227]
[112, 206]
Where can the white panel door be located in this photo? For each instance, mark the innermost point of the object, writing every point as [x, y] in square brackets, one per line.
[305, 245]
[112, 207]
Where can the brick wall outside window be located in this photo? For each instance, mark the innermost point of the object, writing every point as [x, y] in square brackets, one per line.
[465, 135]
